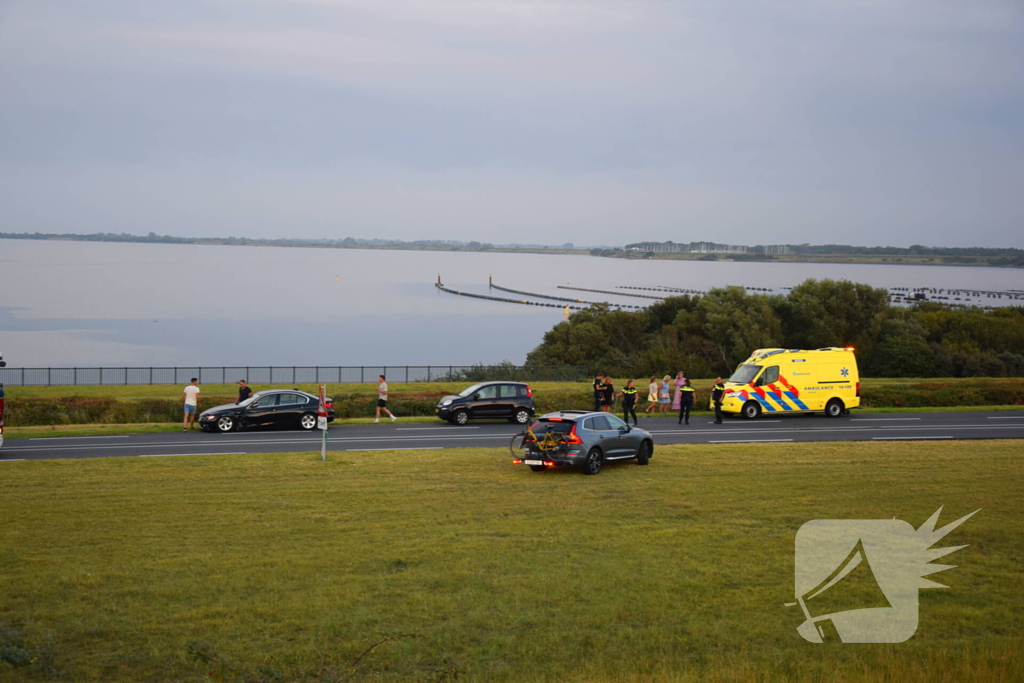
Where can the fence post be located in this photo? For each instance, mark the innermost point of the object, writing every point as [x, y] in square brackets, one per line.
[23, 377]
[406, 374]
[428, 373]
[318, 374]
[49, 382]
[361, 369]
[293, 374]
[75, 380]
[385, 371]
[151, 375]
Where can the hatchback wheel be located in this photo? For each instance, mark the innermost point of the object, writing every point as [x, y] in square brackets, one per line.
[593, 462]
[521, 416]
[225, 424]
[461, 417]
[307, 421]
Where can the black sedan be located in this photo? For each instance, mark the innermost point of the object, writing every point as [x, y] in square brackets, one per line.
[270, 408]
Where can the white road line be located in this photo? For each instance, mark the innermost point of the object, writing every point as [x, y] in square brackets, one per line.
[363, 450]
[12, 459]
[417, 429]
[1013, 417]
[882, 419]
[175, 455]
[904, 438]
[60, 438]
[750, 441]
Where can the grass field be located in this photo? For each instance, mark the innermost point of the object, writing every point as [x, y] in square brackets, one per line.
[280, 567]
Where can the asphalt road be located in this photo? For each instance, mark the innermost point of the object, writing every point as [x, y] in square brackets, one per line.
[419, 436]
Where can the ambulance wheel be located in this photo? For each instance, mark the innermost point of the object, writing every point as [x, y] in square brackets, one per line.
[751, 410]
[834, 408]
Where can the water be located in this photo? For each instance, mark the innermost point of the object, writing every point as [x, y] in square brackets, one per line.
[88, 304]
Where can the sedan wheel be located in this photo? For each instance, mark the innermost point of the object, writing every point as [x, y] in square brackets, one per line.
[307, 421]
[225, 424]
[643, 456]
[593, 463]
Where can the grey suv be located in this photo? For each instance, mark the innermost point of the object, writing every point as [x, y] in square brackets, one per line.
[584, 439]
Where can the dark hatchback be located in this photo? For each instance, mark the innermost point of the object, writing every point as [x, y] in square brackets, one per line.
[512, 401]
[285, 408]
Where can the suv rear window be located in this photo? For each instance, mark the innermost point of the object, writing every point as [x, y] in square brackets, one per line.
[562, 426]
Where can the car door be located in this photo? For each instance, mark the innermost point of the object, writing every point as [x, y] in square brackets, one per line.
[260, 413]
[290, 408]
[505, 404]
[607, 439]
[485, 402]
[624, 442]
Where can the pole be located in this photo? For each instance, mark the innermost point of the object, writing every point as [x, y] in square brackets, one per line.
[322, 421]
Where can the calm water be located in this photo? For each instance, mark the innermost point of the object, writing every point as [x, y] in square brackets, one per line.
[91, 304]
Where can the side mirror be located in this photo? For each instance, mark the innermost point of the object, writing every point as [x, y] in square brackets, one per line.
[627, 430]
[476, 397]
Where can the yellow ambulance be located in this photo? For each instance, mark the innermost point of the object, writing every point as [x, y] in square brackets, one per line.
[794, 381]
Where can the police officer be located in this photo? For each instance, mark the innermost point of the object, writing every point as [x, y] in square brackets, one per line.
[687, 395]
[629, 394]
[717, 392]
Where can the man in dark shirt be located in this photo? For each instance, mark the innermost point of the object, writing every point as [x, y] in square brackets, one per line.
[244, 391]
[598, 391]
[717, 392]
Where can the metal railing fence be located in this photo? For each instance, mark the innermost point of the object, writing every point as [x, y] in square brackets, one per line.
[294, 374]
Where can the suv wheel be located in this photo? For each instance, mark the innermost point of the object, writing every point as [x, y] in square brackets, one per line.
[643, 455]
[593, 462]
[521, 416]
[460, 417]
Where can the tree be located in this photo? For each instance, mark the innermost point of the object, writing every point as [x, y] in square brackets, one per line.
[736, 323]
[820, 313]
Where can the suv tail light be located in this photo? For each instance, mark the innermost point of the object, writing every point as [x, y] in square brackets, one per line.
[858, 389]
[529, 391]
[573, 437]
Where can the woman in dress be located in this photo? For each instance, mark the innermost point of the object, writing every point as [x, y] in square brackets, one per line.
[679, 383]
[663, 395]
[652, 395]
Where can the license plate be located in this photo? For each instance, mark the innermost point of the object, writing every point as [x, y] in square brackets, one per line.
[533, 462]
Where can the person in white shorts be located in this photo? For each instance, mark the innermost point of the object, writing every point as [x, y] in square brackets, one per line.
[190, 404]
[382, 399]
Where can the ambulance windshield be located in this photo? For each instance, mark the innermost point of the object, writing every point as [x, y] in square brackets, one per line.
[745, 373]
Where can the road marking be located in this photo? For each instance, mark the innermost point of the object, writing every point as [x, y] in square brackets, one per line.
[750, 440]
[12, 460]
[1013, 417]
[882, 419]
[424, 448]
[59, 438]
[904, 438]
[175, 455]
[415, 429]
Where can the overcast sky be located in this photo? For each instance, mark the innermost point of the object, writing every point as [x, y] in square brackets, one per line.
[591, 121]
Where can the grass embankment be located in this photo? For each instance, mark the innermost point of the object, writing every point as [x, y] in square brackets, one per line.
[64, 407]
[489, 572]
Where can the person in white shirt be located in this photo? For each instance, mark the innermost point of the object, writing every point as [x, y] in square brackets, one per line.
[190, 404]
[382, 400]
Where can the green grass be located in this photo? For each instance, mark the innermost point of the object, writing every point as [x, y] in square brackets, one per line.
[482, 571]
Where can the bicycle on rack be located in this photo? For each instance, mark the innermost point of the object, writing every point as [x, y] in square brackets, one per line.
[527, 444]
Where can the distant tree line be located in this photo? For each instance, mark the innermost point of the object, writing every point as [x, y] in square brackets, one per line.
[710, 335]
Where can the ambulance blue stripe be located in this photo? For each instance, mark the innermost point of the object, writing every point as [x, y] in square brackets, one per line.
[785, 406]
[764, 404]
[799, 404]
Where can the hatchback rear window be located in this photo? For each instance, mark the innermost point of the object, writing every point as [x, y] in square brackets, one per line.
[541, 426]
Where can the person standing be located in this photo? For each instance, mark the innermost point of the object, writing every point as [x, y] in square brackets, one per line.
[652, 395]
[598, 392]
[190, 405]
[687, 396]
[717, 392]
[244, 391]
[382, 400]
[607, 395]
[663, 395]
[680, 381]
[629, 395]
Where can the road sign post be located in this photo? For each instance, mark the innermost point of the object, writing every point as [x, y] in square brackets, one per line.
[321, 421]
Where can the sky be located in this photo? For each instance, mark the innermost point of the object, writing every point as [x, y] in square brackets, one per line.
[874, 122]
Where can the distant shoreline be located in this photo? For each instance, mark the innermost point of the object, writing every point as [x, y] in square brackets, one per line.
[1003, 258]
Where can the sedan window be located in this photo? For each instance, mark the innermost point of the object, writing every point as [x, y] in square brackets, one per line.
[266, 401]
[291, 400]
